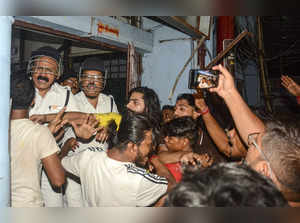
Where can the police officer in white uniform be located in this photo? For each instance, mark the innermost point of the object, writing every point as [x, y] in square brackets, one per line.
[92, 79]
[45, 68]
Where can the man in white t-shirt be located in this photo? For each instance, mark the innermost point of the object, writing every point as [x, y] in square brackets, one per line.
[114, 178]
[45, 68]
[31, 146]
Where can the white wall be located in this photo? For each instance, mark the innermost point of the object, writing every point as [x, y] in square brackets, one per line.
[162, 66]
[5, 50]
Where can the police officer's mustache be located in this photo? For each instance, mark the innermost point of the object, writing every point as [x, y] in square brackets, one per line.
[43, 78]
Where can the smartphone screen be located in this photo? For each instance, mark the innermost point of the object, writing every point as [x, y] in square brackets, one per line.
[206, 79]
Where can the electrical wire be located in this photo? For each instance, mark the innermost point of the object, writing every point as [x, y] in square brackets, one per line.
[283, 53]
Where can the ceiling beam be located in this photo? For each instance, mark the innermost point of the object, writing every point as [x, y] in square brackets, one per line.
[91, 29]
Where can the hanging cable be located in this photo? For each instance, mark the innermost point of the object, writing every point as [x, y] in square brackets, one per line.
[283, 53]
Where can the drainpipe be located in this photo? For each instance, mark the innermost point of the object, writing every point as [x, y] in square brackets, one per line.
[5, 49]
[263, 68]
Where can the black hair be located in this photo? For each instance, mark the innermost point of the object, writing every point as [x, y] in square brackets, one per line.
[132, 129]
[151, 101]
[93, 63]
[152, 108]
[219, 111]
[168, 107]
[67, 75]
[182, 127]
[188, 97]
[22, 92]
[217, 108]
[225, 185]
[47, 51]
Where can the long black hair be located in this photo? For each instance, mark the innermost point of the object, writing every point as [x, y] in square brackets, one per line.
[151, 101]
[152, 108]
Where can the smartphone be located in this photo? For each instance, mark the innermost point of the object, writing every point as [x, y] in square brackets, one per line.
[202, 79]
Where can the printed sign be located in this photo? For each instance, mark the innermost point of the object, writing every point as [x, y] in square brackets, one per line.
[107, 29]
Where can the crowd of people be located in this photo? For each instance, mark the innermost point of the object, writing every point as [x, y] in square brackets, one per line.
[191, 154]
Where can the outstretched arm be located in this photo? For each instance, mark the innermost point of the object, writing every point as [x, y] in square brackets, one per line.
[215, 131]
[229, 144]
[77, 117]
[245, 120]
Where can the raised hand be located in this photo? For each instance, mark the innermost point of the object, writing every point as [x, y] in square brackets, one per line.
[87, 128]
[200, 103]
[102, 135]
[226, 82]
[70, 144]
[290, 85]
[56, 124]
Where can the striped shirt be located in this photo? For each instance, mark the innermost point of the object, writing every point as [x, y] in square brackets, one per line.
[108, 182]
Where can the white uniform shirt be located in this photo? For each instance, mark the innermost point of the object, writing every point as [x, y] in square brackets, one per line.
[53, 101]
[108, 182]
[29, 143]
[103, 106]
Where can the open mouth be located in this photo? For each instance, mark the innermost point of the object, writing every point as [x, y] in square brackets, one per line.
[42, 79]
[42, 82]
[92, 87]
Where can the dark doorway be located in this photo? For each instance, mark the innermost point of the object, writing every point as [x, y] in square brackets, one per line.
[281, 36]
